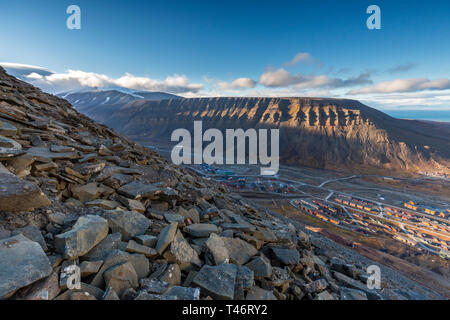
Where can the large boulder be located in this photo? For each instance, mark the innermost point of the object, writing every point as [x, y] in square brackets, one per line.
[87, 232]
[22, 262]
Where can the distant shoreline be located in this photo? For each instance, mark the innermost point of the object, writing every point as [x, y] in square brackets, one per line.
[429, 115]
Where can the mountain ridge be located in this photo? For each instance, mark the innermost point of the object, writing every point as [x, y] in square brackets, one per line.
[329, 133]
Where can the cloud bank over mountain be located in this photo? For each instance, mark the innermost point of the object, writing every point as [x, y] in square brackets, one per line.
[290, 79]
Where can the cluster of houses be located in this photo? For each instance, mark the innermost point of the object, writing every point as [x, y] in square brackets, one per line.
[442, 213]
[427, 234]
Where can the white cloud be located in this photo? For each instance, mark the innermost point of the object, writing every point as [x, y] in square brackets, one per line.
[283, 78]
[76, 79]
[404, 85]
[299, 57]
[280, 78]
[21, 70]
[240, 83]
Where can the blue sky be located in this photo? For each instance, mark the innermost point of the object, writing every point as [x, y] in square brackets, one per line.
[220, 48]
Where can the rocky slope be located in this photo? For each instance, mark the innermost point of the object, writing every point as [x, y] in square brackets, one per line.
[79, 199]
[323, 133]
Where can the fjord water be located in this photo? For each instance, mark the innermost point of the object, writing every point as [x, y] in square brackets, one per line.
[433, 115]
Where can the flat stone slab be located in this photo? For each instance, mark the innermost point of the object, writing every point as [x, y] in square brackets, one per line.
[286, 256]
[239, 251]
[129, 223]
[104, 248]
[261, 267]
[147, 240]
[201, 230]
[7, 129]
[61, 149]
[9, 148]
[19, 195]
[22, 262]
[174, 217]
[217, 281]
[87, 232]
[135, 247]
[137, 190]
[33, 233]
[166, 237]
[43, 154]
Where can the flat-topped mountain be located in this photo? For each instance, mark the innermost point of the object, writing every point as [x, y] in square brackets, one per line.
[337, 134]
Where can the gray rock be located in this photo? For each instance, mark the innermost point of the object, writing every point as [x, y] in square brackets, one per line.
[135, 247]
[102, 203]
[257, 293]
[88, 268]
[286, 256]
[215, 247]
[4, 234]
[132, 205]
[43, 154]
[45, 289]
[240, 251]
[87, 232]
[138, 189]
[201, 230]
[121, 277]
[183, 293]
[173, 217]
[183, 252]
[19, 195]
[33, 233]
[104, 248]
[154, 286]
[22, 262]
[57, 218]
[172, 274]
[61, 149]
[217, 281]
[88, 192]
[147, 240]
[7, 129]
[129, 223]
[139, 261]
[9, 148]
[245, 276]
[166, 237]
[261, 267]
